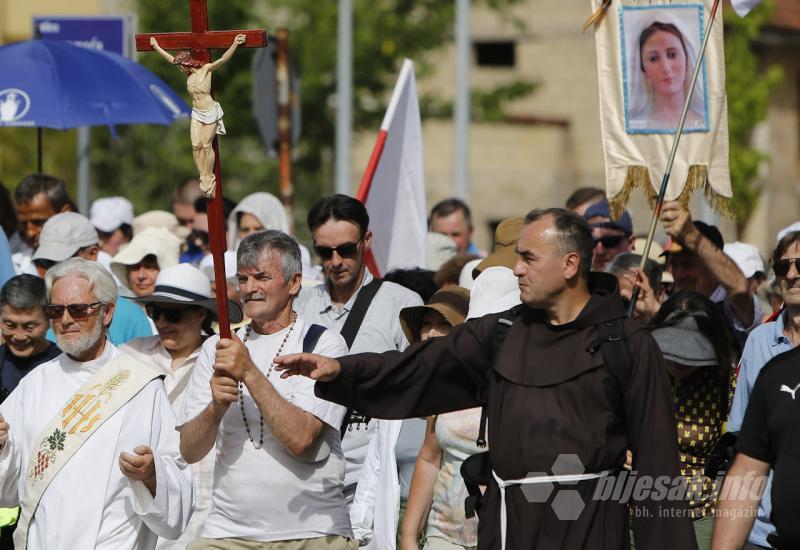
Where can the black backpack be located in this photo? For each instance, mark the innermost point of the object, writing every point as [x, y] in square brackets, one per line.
[477, 470]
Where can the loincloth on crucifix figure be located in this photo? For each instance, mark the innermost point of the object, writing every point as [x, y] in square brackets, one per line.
[206, 121]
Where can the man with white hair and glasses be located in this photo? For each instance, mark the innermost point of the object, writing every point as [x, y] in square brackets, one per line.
[89, 449]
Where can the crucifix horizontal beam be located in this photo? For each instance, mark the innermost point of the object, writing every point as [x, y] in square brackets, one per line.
[200, 40]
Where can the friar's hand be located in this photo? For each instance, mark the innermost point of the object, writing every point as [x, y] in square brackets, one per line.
[232, 359]
[140, 466]
[313, 366]
[240, 39]
[153, 41]
[4, 427]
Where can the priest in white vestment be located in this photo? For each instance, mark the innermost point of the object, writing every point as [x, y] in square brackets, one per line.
[89, 447]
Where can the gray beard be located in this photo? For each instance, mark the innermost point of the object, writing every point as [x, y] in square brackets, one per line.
[84, 343]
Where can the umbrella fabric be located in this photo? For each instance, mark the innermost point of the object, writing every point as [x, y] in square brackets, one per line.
[52, 84]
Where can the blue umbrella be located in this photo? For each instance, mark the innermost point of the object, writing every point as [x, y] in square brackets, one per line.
[52, 84]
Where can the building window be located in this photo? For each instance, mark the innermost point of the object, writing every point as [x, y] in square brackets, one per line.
[497, 53]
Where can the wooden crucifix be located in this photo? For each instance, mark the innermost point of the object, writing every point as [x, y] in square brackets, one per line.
[201, 41]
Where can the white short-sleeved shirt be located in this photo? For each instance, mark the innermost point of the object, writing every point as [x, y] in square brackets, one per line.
[266, 494]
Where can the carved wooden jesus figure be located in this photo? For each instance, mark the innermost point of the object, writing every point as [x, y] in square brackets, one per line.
[206, 113]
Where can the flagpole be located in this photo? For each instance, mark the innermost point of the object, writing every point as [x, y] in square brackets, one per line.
[672, 153]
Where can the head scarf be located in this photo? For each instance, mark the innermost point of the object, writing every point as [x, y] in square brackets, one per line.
[265, 207]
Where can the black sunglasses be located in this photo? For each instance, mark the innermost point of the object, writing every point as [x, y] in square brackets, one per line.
[781, 267]
[609, 241]
[76, 311]
[345, 250]
[171, 314]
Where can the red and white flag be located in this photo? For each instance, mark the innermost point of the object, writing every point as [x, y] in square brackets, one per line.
[393, 186]
[743, 7]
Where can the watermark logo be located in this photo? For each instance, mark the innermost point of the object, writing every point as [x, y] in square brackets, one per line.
[647, 495]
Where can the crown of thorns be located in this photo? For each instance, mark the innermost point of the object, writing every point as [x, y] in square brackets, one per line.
[185, 58]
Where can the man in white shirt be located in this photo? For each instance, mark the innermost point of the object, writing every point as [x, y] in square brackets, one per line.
[280, 470]
[182, 309]
[340, 226]
[91, 454]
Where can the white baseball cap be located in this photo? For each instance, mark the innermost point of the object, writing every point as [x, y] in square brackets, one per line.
[746, 257]
[63, 235]
[108, 213]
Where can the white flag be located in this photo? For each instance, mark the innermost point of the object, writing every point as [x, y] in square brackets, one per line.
[743, 7]
[393, 187]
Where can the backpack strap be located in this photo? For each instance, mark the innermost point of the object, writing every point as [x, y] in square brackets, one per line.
[312, 337]
[359, 311]
[500, 332]
[353, 323]
[616, 355]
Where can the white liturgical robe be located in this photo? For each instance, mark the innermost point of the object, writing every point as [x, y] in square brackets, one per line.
[90, 503]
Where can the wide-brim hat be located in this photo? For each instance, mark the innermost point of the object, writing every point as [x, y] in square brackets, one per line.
[156, 242]
[186, 285]
[683, 343]
[160, 218]
[504, 254]
[451, 302]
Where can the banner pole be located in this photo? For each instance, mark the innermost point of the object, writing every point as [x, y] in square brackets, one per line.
[672, 153]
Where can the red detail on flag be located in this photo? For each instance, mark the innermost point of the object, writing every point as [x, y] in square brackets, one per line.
[366, 180]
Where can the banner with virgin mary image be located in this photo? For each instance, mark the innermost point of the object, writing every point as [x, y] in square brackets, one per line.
[646, 55]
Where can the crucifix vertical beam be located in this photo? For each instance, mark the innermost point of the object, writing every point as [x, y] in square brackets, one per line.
[200, 40]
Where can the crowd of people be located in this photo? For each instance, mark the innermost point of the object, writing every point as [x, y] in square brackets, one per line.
[445, 406]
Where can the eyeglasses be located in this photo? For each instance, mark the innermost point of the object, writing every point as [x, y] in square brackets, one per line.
[345, 250]
[781, 267]
[171, 314]
[76, 311]
[609, 241]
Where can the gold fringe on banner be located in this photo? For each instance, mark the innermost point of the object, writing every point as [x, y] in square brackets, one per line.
[597, 17]
[639, 176]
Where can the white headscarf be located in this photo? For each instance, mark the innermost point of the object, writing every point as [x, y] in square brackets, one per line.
[640, 100]
[265, 207]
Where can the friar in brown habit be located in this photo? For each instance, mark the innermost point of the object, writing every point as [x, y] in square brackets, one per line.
[549, 394]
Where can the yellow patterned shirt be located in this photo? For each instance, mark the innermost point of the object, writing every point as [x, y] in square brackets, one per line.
[700, 420]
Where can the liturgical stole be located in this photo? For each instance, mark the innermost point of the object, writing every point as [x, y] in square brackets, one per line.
[106, 391]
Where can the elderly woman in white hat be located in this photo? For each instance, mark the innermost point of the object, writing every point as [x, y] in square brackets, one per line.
[182, 308]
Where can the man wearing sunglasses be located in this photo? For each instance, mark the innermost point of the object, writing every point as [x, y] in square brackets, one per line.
[765, 342]
[340, 227]
[182, 309]
[90, 450]
[610, 237]
[70, 235]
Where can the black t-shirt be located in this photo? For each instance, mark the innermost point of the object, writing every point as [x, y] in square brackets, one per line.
[15, 368]
[771, 433]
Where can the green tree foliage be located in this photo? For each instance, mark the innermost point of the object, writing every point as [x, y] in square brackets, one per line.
[146, 162]
[749, 87]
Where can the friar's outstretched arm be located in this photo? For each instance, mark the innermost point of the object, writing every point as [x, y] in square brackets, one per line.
[159, 49]
[240, 39]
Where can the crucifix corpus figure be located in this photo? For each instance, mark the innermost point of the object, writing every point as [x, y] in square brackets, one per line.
[206, 113]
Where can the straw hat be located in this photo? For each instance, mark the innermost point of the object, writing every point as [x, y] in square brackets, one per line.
[162, 219]
[506, 237]
[452, 302]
